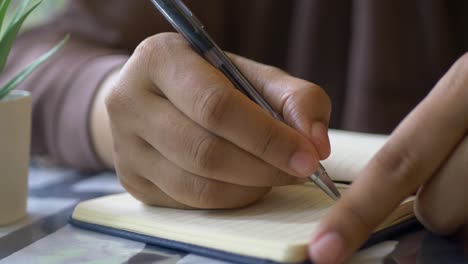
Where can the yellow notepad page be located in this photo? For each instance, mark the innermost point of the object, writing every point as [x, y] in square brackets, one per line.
[277, 227]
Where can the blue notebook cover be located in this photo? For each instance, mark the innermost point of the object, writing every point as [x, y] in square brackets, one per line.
[377, 237]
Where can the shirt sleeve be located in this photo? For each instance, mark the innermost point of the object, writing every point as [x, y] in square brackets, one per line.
[63, 90]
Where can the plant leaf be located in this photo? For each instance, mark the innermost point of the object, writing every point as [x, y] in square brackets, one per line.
[3, 8]
[30, 68]
[20, 10]
[10, 34]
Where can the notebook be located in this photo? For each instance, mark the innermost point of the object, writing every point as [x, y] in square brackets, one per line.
[277, 228]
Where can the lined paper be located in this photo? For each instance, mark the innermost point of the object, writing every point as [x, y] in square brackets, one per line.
[277, 227]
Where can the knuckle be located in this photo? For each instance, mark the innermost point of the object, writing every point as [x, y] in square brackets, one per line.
[144, 51]
[159, 42]
[205, 152]
[120, 104]
[301, 91]
[202, 193]
[145, 47]
[316, 92]
[157, 49]
[144, 198]
[320, 93]
[212, 107]
[134, 191]
[115, 100]
[400, 164]
[208, 194]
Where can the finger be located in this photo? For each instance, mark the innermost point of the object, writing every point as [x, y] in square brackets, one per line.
[164, 184]
[201, 192]
[413, 153]
[304, 105]
[189, 189]
[141, 189]
[441, 204]
[125, 157]
[194, 149]
[205, 95]
[147, 192]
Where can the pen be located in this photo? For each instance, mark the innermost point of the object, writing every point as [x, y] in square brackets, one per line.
[183, 20]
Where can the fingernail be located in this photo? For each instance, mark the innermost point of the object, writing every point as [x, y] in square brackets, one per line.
[329, 248]
[303, 163]
[320, 138]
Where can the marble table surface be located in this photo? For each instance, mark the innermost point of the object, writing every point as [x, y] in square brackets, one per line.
[44, 236]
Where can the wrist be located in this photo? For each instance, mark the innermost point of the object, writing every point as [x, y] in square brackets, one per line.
[99, 120]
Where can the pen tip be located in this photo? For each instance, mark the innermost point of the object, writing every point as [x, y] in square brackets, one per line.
[323, 181]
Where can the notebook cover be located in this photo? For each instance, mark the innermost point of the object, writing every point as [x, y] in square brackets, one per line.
[377, 237]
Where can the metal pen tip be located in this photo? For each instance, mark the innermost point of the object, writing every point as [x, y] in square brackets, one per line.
[323, 181]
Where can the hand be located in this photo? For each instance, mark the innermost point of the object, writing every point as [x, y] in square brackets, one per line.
[427, 153]
[185, 137]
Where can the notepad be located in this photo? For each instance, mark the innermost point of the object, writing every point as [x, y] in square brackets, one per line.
[276, 228]
[350, 153]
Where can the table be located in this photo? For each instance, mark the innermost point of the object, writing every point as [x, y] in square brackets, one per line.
[44, 236]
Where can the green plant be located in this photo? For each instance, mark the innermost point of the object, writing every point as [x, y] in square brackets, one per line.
[8, 37]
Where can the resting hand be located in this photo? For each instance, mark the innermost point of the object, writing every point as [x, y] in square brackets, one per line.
[427, 153]
[185, 137]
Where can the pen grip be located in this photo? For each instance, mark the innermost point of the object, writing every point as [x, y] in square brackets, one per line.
[190, 27]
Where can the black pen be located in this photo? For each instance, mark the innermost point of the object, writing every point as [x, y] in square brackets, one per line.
[183, 20]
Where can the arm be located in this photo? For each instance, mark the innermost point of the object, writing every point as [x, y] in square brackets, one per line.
[62, 91]
[177, 123]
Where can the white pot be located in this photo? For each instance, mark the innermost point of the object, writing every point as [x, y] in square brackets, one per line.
[15, 137]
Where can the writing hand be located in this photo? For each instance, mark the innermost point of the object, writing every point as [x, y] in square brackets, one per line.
[427, 153]
[185, 137]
